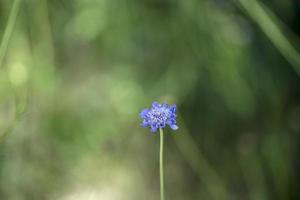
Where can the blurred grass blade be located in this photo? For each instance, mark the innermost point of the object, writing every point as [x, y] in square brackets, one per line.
[253, 174]
[19, 112]
[269, 25]
[186, 144]
[9, 29]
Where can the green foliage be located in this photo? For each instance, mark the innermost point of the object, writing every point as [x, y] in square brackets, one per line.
[75, 74]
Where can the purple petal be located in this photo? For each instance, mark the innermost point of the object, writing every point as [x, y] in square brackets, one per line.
[145, 123]
[171, 121]
[165, 105]
[162, 125]
[144, 113]
[174, 127]
[155, 104]
[154, 128]
[173, 108]
[173, 116]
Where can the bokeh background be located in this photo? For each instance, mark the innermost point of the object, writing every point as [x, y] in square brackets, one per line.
[74, 75]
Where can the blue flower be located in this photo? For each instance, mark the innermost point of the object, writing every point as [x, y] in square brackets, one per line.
[159, 116]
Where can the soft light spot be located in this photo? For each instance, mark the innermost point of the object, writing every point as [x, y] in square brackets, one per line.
[18, 74]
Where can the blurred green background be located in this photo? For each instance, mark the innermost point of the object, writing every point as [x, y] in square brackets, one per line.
[74, 75]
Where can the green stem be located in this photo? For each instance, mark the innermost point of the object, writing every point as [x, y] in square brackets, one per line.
[161, 164]
[9, 29]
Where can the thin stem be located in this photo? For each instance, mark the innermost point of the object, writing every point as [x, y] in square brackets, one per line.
[161, 164]
[9, 29]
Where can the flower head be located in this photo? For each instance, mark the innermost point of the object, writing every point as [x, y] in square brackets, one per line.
[159, 116]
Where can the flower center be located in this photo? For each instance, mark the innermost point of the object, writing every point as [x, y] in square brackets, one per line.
[159, 116]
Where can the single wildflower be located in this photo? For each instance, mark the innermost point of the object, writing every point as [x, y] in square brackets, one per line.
[159, 116]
